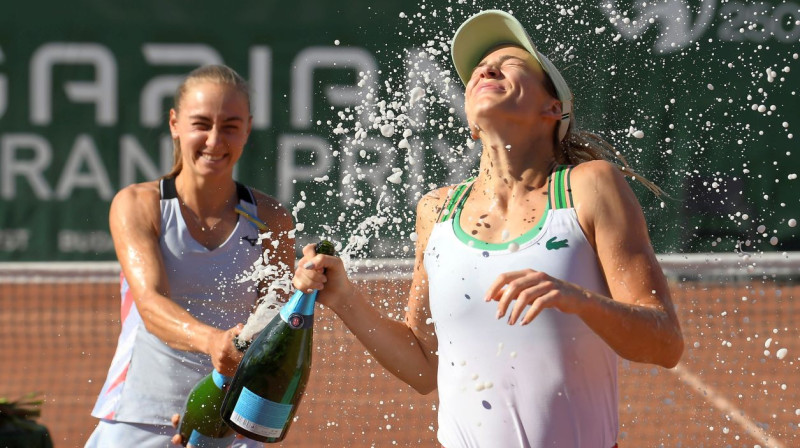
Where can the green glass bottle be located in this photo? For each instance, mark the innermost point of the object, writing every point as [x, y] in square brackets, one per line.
[201, 425]
[269, 383]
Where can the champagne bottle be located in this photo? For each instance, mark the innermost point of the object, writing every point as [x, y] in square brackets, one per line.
[269, 383]
[201, 425]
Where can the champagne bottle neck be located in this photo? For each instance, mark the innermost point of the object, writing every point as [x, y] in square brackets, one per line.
[241, 344]
[220, 380]
[299, 310]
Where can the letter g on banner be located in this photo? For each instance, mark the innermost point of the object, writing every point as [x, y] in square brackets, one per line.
[3, 88]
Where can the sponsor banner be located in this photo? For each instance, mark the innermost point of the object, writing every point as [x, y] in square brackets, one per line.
[357, 111]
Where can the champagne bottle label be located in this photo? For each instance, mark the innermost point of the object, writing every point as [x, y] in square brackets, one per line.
[298, 321]
[275, 367]
[260, 416]
[197, 440]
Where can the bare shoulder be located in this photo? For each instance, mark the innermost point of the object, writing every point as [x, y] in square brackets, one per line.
[599, 182]
[603, 198]
[430, 206]
[144, 190]
[136, 208]
[270, 210]
[268, 201]
[432, 202]
[143, 196]
[597, 173]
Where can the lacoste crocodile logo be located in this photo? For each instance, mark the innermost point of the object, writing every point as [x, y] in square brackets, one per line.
[552, 244]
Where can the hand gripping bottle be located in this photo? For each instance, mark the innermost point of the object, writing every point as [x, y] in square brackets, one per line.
[201, 425]
[269, 383]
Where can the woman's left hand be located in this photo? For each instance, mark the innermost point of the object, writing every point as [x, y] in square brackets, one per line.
[534, 288]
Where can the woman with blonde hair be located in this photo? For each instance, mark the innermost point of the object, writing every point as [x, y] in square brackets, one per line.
[531, 279]
[184, 243]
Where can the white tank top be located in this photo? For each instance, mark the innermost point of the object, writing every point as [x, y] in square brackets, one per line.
[148, 381]
[551, 383]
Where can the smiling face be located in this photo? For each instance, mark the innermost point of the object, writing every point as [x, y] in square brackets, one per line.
[211, 124]
[509, 84]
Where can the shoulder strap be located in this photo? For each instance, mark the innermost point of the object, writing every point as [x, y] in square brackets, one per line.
[559, 188]
[245, 194]
[168, 190]
[454, 199]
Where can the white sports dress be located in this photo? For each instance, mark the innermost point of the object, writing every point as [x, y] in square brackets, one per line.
[148, 381]
[551, 383]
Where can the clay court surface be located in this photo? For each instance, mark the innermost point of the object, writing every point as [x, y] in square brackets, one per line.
[730, 389]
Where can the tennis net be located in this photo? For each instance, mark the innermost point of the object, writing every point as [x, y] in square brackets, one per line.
[737, 383]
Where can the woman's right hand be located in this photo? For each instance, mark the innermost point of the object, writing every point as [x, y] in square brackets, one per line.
[324, 273]
[224, 355]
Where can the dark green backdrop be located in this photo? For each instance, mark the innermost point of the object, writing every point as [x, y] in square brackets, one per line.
[85, 87]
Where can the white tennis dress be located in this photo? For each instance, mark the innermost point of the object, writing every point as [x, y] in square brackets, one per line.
[148, 381]
[551, 383]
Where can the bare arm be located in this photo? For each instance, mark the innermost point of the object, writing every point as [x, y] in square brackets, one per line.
[134, 220]
[406, 349]
[638, 321]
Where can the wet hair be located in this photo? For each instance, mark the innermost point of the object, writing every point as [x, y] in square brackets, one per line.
[582, 146]
[220, 74]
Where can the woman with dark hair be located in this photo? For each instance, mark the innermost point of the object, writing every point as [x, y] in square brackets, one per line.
[185, 243]
[531, 279]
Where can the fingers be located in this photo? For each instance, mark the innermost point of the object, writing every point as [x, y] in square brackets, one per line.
[507, 287]
[313, 260]
[312, 268]
[537, 306]
[225, 357]
[532, 294]
[500, 283]
[236, 330]
[309, 251]
[326, 274]
[308, 278]
[520, 289]
[176, 439]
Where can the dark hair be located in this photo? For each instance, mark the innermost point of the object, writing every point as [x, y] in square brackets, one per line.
[220, 74]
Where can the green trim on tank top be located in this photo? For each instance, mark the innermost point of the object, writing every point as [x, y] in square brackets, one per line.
[561, 187]
[470, 240]
[453, 199]
[558, 183]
